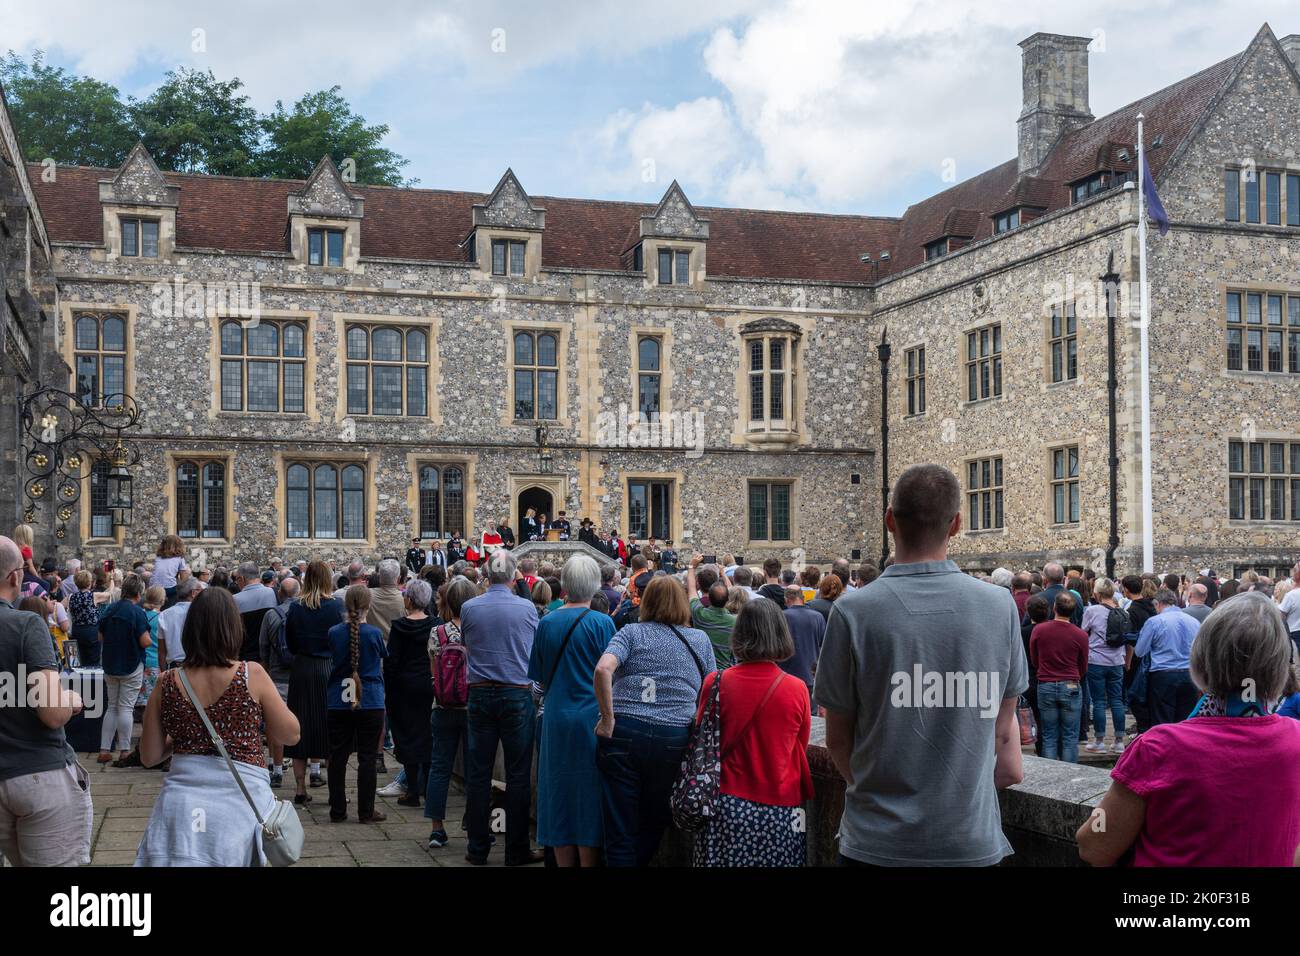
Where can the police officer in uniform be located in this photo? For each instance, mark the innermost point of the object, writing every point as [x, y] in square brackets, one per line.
[561, 524]
[415, 556]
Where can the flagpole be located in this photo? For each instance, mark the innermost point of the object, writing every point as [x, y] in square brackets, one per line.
[1144, 323]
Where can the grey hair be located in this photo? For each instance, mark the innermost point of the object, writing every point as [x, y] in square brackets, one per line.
[1053, 572]
[356, 570]
[388, 572]
[1001, 577]
[188, 588]
[419, 592]
[1243, 641]
[249, 571]
[501, 567]
[289, 586]
[580, 578]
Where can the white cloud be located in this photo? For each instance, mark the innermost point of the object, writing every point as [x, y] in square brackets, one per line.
[642, 152]
[281, 50]
[845, 104]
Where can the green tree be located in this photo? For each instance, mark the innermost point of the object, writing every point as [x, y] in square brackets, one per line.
[196, 123]
[320, 123]
[74, 120]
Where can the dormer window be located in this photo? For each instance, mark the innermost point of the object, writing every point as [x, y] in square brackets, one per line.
[1096, 183]
[674, 267]
[140, 238]
[933, 250]
[1006, 221]
[508, 257]
[325, 247]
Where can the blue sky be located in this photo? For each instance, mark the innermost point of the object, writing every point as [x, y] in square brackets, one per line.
[825, 105]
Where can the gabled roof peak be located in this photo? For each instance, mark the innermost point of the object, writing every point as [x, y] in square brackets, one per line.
[325, 193]
[674, 217]
[508, 206]
[138, 181]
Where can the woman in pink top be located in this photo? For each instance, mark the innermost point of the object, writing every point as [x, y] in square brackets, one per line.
[1221, 788]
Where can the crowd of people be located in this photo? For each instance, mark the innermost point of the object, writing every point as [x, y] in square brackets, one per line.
[600, 671]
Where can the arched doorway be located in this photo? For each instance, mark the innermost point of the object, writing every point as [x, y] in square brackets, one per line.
[540, 500]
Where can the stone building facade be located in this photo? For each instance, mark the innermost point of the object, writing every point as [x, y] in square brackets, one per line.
[27, 323]
[332, 369]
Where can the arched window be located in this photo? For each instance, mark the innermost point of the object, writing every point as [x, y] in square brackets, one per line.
[771, 354]
[325, 501]
[263, 367]
[100, 358]
[382, 377]
[536, 376]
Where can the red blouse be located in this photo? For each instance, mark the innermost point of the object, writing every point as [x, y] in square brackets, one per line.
[770, 764]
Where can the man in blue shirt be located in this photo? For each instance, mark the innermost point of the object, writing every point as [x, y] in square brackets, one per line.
[1168, 637]
[497, 628]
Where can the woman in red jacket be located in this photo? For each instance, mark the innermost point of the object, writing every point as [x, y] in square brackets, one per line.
[765, 715]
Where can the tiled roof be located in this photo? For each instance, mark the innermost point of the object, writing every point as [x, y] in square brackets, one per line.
[250, 215]
[1171, 113]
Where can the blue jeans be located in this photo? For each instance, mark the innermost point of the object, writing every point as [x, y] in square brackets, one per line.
[448, 726]
[1106, 685]
[1060, 703]
[638, 766]
[505, 716]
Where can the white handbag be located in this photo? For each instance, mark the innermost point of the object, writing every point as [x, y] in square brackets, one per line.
[282, 833]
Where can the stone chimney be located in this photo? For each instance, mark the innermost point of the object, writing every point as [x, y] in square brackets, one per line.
[1055, 79]
[1291, 47]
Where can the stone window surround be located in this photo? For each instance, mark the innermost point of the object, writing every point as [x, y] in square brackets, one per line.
[427, 323]
[650, 246]
[676, 478]
[963, 479]
[139, 236]
[416, 460]
[69, 337]
[482, 239]
[664, 334]
[761, 433]
[280, 462]
[165, 216]
[795, 483]
[921, 376]
[1281, 166]
[1051, 484]
[1264, 289]
[564, 418]
[983, 322]
[1079, 343]
[351, 229]
[173, 459]
[1261, 524]
[311, 412]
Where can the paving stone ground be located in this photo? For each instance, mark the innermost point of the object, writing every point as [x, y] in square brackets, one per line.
[123, 798]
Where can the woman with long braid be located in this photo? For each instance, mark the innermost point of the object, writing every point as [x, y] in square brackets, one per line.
[355, 700]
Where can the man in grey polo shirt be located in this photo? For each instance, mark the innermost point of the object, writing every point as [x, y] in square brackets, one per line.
[919, 675]
[45, 808]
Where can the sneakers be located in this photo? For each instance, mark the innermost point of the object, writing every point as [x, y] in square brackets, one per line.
[1118, 746]
[438, 839]
[277, 779]
[393, 789]
[1096, 747]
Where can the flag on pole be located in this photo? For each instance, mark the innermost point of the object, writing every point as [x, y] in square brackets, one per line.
[1155, 208]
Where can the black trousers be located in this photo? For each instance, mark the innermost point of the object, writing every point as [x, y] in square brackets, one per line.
[1171, 696]
[354, 732]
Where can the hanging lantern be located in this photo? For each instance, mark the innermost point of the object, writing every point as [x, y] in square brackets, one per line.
[119, 487]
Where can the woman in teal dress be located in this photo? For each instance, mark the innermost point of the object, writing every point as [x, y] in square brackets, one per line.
[569, 642]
